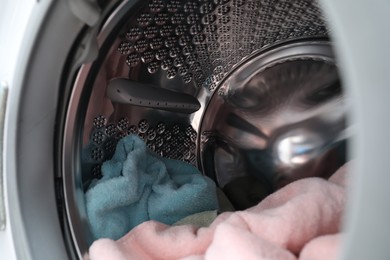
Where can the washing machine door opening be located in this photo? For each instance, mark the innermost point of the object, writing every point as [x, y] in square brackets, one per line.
[247, 91]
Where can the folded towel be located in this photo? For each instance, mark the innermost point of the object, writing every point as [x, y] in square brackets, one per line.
[137, 186]
[234, 242]
[277, 228]
[201, 219]
[205, 218]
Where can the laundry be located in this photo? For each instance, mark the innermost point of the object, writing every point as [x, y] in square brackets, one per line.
[205, 218]
[201, 219]
[138, 185]
[322, 248]
[305, 214]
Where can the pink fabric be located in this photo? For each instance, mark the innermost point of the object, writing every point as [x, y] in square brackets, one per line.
[279, 227]
[322, 248]
[233, 242]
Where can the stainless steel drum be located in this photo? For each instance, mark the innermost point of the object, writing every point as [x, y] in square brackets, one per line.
[246, 90]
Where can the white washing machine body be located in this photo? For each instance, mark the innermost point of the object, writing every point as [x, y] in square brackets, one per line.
[15, 16]
[40, 35]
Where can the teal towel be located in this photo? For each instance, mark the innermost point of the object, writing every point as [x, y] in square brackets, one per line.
[137, 186]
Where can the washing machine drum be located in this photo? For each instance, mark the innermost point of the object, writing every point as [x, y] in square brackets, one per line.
[248, 91]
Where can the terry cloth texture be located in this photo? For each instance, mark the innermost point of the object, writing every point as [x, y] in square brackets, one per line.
[138, 185]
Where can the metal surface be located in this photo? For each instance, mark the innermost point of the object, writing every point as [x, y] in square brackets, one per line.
[167, 140]
[201, 41]
[279, 117]
[189, 47]
[3, 105]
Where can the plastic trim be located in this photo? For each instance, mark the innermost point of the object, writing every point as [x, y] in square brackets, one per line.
[360, 31]
[29, 132]
[3, 105]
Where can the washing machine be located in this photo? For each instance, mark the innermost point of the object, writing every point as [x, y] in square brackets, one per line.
[255, 93]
